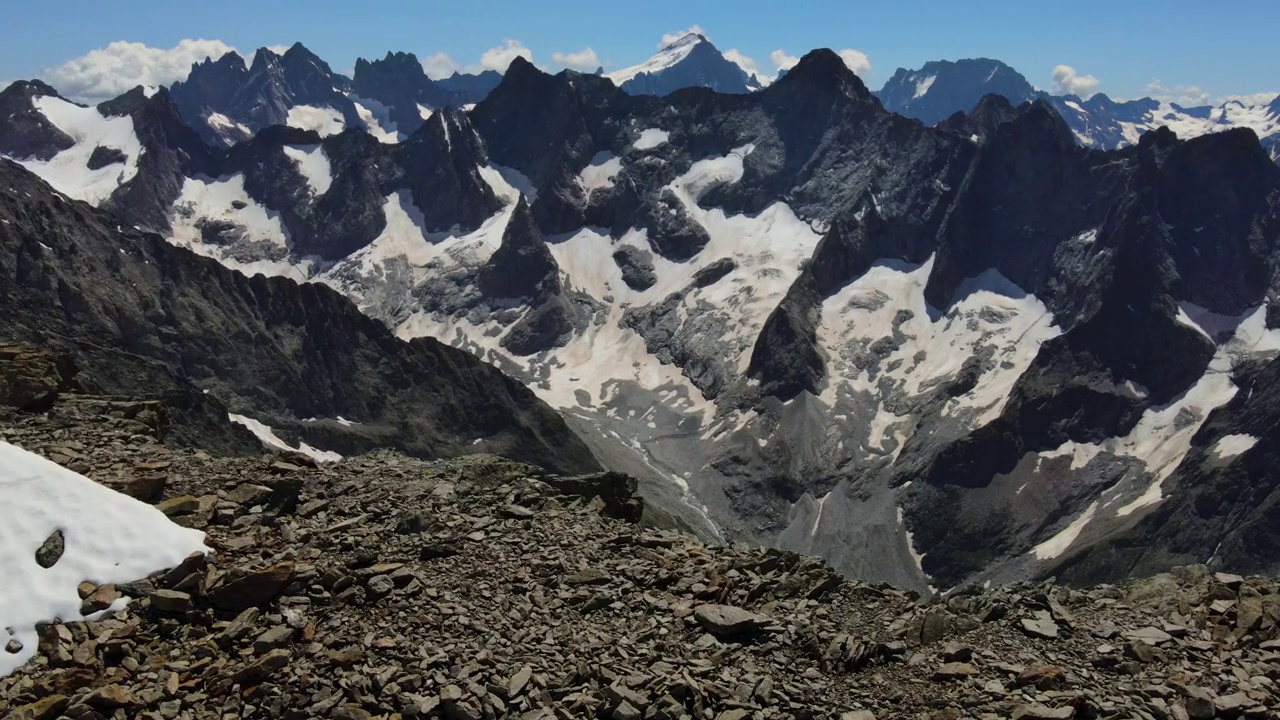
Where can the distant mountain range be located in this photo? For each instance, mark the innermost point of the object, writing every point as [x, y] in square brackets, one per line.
[227, 101]
[942, 88]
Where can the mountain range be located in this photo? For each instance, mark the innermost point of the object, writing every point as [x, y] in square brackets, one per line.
[932, 353]
[227, 101]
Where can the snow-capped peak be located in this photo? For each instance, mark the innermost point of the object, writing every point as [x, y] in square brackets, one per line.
[667, 57]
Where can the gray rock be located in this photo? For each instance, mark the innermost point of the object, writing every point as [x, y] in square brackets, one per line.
[50, 551]
[1041, 626]
[276, 637]
[171, 601]
[729, 620]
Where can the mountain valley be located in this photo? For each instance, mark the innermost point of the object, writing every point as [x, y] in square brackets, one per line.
[997, 345]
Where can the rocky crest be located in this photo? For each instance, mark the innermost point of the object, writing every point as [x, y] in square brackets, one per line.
[383, 586]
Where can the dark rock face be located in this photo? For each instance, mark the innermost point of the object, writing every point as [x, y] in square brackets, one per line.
[523, 268]
[143, 317]
[31, 378]
[171, 153]
[259, 96]
[702, 66]
[399, 83]
[27, 133]
[940, 88]
[441, 168]
[469, 89]
[636, 266]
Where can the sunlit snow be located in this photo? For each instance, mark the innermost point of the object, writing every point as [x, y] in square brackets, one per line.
[68, 171]
[108, 538]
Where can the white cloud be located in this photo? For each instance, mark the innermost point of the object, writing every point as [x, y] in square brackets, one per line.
[498, 58]
[1184, 95]
[747, 64]
[1066, 81]
[279, 49]
[674, 36]
[121, 66]
[584, 59]
[439, 66]
[856, 60]
[782, 61]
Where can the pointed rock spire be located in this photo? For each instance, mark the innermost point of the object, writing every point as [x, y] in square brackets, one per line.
[522, 267]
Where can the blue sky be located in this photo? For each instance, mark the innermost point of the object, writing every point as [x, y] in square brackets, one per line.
[1192, 48]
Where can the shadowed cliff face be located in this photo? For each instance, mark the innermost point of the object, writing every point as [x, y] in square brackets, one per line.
[145, 318]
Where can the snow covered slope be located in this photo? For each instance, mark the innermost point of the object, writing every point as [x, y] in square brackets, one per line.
[691, 61]
[104, 536]
[104, 156]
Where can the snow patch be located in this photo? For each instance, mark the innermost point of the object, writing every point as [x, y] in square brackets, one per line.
[376, 119]
[1231, 446]
[313, 165]
[68, 171]
[108, 537]
[324, 120]
[1058, 544]
[923, 349]
[922, 87]
[269, 438]
[599, 174]
[651, 138]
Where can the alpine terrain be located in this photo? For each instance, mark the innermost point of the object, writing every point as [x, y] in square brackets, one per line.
[783, 398]
[929, 355]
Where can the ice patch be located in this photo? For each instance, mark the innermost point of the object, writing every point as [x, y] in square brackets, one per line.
[313, 165]
[599, 174]
[108, 538]
[712, 172]
[269, 438]
[376, 119]
[1231, 446]
[1058, 544]
[509, 184]
[1215, 326]
[219, 121]
[922, 87]
[651, 138]
[324, 120]
[68, 171]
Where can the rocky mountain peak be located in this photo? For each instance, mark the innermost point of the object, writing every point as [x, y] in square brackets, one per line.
[264, 59]
[522, 266]
[441, 164]
[29, 89]
[824, 70]
[942, 87]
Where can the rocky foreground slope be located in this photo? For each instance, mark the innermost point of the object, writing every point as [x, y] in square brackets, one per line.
[388, 587]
